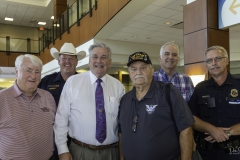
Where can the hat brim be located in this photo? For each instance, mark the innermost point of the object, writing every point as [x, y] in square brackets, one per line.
[129, 63]
[55, 54]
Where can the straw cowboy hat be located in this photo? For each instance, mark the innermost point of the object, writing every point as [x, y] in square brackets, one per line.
[67, 49]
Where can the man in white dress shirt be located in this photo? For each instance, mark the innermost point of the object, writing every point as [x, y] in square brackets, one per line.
[76, 114]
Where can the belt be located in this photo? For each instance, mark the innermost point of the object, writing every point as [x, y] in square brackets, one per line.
[93, 147]
[205, 145]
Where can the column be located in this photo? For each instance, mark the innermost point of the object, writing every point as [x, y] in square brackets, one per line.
[201, 32]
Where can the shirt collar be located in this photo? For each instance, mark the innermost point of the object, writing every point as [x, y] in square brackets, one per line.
[149, 93]
[229, 80]
[166, 76]
[93, 78]
[17, 92]
[59, 77]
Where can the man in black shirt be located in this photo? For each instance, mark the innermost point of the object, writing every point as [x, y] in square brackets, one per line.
[67, 58]
[147, 130]
[215, 104]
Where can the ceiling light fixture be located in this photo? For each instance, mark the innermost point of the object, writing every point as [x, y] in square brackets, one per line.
[52, 17]
[134, 36]
[56, 25]
[8, 19]
[168, 23]
[41, 23]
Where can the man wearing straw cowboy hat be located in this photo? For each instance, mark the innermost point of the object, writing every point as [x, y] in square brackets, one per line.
[67, 58]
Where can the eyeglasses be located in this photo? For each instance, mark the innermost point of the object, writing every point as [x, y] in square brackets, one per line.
[216, 59]
[135, 122]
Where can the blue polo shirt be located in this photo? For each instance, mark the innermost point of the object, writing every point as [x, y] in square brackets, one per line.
[156, 136]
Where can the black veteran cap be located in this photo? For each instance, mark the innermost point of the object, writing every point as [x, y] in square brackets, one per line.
[139, 56]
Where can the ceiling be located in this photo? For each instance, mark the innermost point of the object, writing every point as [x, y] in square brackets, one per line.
[140, 25]
[27, 12]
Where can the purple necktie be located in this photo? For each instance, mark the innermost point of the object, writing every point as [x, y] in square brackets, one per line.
[100, 113]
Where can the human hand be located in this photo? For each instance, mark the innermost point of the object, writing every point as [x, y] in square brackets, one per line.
[217, 134]
[65, 156]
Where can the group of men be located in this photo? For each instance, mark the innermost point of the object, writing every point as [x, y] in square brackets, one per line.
[91, 118]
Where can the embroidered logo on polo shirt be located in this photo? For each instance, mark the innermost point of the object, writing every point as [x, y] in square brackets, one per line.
[150, 108]
[45, 109]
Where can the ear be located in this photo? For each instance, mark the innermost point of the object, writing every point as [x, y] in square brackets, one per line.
[16, 71]
[227, 61]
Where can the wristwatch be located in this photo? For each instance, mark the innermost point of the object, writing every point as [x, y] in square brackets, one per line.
[228, 133]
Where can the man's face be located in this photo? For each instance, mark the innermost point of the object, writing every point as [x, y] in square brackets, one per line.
[99, 61]
[169, 58]
[140, 73]
[28, 76]
[67, 64]
[216, 68]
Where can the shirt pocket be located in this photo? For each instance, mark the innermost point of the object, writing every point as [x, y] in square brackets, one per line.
[113, 106]
[234, 111]
[205, 111]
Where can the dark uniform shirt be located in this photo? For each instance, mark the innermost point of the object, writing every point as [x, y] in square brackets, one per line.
[156, 137]
[54, 84]
[217, 105]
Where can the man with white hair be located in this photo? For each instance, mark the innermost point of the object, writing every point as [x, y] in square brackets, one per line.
[26, 114]
[149, 128]
[88, 110]
[169, 56]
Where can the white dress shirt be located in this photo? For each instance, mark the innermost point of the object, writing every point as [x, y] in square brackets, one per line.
[76, 113]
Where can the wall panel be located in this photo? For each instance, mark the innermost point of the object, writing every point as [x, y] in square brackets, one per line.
[4, 59]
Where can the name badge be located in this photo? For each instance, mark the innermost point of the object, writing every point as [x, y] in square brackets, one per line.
[52, 87]
[234, 101]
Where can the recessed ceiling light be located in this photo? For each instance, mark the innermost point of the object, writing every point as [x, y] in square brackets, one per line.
[41, 23]
[52, 17]
[56, 25]
[134, 36]
[8, 19]
[168, 22]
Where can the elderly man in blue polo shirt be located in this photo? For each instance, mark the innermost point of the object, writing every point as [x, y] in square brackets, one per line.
[147, 130]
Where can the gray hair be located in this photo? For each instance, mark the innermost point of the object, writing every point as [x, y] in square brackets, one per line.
[100, 45]
[168, 43]
[219, 48]
[34, 59]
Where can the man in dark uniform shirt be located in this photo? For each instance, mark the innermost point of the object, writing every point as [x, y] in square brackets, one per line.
[67, 60]
[215, 104]
[147, 131]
